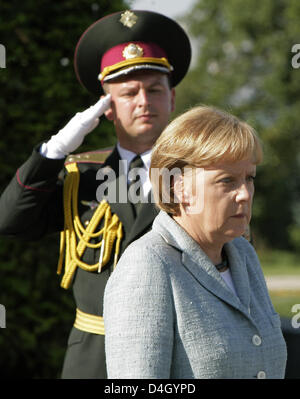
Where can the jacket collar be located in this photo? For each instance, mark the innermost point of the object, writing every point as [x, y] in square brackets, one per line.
[201, 267]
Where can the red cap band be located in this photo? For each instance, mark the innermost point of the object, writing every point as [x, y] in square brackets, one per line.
[132, 53]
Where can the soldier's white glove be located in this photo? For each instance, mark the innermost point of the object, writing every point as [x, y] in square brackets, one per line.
[72, 135]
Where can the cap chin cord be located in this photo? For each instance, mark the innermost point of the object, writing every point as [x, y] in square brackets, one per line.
[163, 62]
[134, 68]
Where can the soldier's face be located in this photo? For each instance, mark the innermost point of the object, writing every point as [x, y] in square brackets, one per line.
[141, 105]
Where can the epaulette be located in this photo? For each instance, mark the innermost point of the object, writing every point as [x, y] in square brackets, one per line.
[99, 156]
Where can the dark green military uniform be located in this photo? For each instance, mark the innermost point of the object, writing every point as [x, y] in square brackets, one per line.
[33, 204]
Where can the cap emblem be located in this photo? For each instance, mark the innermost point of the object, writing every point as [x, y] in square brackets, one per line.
[128, 18]
[132, 51]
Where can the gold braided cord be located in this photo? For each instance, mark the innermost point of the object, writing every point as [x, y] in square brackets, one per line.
[75, 238]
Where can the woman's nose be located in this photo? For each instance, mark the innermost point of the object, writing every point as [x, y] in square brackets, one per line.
[244, 192]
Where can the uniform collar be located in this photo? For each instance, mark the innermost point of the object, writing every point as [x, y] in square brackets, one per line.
[146, 158]
[129, 155]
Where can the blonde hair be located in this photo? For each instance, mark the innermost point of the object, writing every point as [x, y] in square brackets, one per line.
[201, 137]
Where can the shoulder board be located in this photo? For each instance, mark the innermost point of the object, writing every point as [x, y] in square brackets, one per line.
[90, 157]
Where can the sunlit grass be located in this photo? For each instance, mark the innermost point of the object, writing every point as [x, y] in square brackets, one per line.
[275, 262]
[284, 300]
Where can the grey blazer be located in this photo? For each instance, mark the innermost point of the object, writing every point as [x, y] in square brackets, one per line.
[168, 313]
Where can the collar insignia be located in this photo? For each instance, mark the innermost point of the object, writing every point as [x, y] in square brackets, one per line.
[92, 204]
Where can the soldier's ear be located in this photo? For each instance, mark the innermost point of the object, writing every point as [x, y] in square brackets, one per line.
[173, 97]
[109, 112]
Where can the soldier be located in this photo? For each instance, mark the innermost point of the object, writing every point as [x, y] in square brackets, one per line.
[136, 58]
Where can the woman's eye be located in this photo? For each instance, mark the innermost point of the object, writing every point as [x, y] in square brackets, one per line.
[251, 178]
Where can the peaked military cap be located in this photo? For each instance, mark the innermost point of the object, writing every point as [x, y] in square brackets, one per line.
[128, 41]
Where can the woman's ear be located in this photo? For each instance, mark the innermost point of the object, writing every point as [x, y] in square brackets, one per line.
[180, 194]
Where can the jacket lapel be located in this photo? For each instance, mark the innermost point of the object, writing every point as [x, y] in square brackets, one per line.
[206, 274]
[238, 268]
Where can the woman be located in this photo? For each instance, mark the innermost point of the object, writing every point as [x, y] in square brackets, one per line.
[188, 299]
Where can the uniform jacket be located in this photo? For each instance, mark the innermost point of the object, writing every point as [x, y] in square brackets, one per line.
[169, 314]
[32, 206]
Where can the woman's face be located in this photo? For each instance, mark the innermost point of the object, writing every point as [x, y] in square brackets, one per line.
[220, 208]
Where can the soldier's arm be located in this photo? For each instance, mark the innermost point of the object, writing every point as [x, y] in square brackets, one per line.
[32, 205]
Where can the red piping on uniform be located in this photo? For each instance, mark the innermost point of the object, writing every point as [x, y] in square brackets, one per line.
[29, 187]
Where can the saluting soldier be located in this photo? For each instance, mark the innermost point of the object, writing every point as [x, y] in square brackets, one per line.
[132, 60]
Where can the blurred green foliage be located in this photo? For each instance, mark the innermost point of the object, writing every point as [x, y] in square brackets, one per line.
[244, 65]
[39, 94]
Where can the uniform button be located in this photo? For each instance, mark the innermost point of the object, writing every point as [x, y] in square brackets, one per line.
[256, 340]
[261, 375]
[86, 223]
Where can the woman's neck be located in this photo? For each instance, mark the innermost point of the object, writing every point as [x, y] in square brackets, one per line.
[212, 248]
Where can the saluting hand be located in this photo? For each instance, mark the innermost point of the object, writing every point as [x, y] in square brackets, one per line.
[72, 135]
